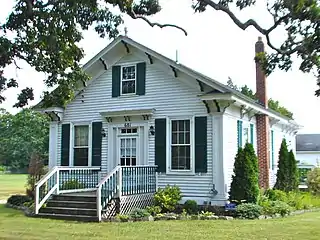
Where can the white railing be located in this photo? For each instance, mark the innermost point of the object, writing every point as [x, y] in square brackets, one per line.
[108, 188]
[125, 181]
[64, 180]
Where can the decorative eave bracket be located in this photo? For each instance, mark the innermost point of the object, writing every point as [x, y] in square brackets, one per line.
[104, 63]
[174, 70]
[273, 122]
[145, 114]
[126, 46]
[150, 58]
[55, 114]
[222, 105]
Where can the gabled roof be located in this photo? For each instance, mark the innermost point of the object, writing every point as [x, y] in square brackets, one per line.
[219, 87]
[308, 142]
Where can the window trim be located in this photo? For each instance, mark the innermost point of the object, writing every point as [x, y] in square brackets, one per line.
[135, 79]
[72, 142]
[169, 169]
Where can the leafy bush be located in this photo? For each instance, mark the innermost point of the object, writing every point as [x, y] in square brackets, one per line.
[18, 200]
[3, 169]
[72, 184]
[191, 206]
[271, 208]
[244, 185]
[35, 171]
[206, 215]
[275, 195]
[167, 198]
[139, 214]
[281, 208]
[313, 181]
[123, 218]
[153, 210]
[248, 211]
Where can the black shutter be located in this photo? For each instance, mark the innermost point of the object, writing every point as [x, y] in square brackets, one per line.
[65, 144]
[201, 144]
[160, 144]
[141, 78]
[116, 72]
[96, 143]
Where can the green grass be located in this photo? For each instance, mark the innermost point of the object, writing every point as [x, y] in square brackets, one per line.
[12, 184]
[14, 225]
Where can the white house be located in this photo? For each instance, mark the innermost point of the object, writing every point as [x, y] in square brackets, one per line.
[308, 149]
[143, 109]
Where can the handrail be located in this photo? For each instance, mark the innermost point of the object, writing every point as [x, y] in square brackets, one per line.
[108, 176]
[47, 176]
[40, 200]
[58, 180]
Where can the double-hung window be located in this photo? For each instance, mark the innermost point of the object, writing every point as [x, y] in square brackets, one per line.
[180, 145]
[81, 145]
[128, 79]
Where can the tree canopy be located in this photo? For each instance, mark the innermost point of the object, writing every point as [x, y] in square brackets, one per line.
[45, 34]
[272, 104]
[22, 135]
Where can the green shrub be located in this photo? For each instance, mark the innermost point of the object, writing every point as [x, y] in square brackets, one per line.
[72, 184]
[35, 172]
[18, 200]
[281, 208]
[153, 210]
[139, 214]
[206, 215]
[244, 185]
[190, 206]
[167, 198]
[3, 169]
[313, 181]
[275, 195]
[248, 211]
[123, 218]
[271, 208]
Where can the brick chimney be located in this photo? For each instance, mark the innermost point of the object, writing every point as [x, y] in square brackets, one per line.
[262, 123]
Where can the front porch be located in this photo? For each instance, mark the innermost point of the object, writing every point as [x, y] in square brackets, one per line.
[76, 192]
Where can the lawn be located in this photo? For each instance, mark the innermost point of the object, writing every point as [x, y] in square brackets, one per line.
[12, 184]
[14, 225]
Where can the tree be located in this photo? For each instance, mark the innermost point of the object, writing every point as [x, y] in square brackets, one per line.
[45, 34]
[272, 104]
[22, 135]
[283, 166]
[293, 173]
[299, 18]
[245, 180]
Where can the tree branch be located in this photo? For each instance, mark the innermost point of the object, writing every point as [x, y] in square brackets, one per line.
[152, 24]
[253, 23]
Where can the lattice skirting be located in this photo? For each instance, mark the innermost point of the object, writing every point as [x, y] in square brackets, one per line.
[110, 210]
[141, 201]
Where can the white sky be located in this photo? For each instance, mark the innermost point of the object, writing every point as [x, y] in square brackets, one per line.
[214, 46]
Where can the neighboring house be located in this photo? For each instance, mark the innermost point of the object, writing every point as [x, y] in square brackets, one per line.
[308, 149]
[143, 109]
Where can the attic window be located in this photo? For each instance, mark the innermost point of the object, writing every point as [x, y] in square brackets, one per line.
[128, 79]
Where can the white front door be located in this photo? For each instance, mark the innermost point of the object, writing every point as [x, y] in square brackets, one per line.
[128, 145]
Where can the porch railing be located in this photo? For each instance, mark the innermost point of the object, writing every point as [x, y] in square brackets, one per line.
[63, 180]
[125, 181]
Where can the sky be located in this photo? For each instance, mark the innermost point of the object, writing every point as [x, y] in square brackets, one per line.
[215, 46]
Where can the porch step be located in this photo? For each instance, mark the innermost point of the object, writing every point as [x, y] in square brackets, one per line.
[80, 218]
[76, 206]
[72, 204]
[75, 198]
[69, 211]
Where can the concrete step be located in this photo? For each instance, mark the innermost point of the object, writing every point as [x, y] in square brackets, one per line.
[69, 211]
[80, 218]
[72, 204]
[75, 198]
